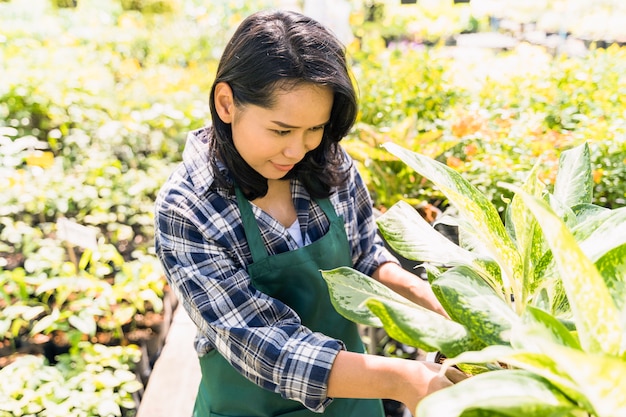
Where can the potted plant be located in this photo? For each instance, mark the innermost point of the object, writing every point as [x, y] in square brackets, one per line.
[539, 297]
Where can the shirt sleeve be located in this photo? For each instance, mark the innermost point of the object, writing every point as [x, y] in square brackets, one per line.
[259, 336]
[368, 248]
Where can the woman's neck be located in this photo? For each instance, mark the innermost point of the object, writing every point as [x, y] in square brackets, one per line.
[278, 202]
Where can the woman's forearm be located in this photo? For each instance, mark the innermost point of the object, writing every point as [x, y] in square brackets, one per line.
[356, 375]
[409, 286]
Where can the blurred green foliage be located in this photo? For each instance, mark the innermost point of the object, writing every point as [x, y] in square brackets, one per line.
[96, 101]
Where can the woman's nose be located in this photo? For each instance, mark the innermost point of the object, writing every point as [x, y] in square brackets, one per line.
[296, 149]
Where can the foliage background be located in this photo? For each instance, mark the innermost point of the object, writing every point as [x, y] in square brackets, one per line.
[96, 101]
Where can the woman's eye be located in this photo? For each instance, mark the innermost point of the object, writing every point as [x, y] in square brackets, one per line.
[317, 128]
[282, 132]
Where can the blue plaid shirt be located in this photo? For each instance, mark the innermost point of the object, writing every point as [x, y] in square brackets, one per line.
[201, 243]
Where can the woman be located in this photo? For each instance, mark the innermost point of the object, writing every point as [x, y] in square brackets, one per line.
[264, 199]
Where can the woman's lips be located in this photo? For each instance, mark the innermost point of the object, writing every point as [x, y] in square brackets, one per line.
[283, 168]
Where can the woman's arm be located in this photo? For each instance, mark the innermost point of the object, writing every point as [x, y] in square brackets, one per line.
[409, 286]
[356, 375]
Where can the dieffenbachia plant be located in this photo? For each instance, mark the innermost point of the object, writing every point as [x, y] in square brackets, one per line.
[537, 302]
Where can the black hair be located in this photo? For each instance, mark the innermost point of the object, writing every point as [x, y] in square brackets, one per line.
[280, 49]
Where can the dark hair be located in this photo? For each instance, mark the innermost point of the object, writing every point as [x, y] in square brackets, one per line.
[280, 49]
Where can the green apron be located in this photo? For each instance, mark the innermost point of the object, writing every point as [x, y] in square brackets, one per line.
[292, 277]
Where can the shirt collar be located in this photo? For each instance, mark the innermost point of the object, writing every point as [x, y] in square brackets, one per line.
[197, 161]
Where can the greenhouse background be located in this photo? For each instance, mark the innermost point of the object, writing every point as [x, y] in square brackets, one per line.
[96, 98]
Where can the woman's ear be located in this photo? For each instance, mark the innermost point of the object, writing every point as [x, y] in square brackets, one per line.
[224, 102]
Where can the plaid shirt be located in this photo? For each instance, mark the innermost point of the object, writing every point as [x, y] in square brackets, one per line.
[201, 243]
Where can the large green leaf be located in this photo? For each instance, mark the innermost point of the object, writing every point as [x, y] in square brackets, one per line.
[353, 294]
[468, 300]
[594, 381]
[475, 208]
[605, 232]
[574, 183]
[528, 238]
[600, 378]
[587, 211]
[511, 393]
[549, 327]
[596, 316]
[406, 231]
[537, 362]
[349, 288]
[612, 267]
[430, 332]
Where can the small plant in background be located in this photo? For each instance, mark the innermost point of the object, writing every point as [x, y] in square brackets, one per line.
[539, 298]
[93, 380]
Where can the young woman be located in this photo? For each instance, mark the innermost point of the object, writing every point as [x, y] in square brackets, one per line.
[263, 200]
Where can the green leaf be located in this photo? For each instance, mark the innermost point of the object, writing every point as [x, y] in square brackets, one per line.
[602, 234]
[124, 314]
[594, 380]
[584, 212]
[364, 300]
[406, 231]
[596, 316]
[469, 300]
[84, 322]
[349, 288]
[536, 362]
[108, 407]
[411, 236]
[415, 326]
[5, 325]
[528, 238]
[549, 327]
[599, 378]
[475, 208]
[612, 267]
[574, 183]
[47, 323]
[510, 393]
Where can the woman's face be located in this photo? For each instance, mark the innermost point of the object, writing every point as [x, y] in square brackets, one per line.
[273, 140]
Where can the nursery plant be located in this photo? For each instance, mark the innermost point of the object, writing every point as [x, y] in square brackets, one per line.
[92, 380]
[537, 301]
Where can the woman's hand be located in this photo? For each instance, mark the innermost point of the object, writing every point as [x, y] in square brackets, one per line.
[357, 375]
[426, 379]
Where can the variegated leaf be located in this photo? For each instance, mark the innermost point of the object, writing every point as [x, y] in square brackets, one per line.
[528, 238]
[548, 326]
[600, 378]
[406, 231]
[587, 211]
[474, 207]
[537, 363]
[594, 381]
[607, 234]
[352, 293]
[429, 331]
[468, 299]
[597, 377]
[574, 183]
[499, 393]
[349, 288]
[596, 316]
